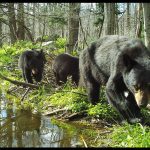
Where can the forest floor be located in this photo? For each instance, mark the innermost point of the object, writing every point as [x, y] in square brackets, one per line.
[61, 113]
[71, 105]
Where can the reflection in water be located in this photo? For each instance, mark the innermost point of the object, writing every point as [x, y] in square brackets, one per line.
[25, 129]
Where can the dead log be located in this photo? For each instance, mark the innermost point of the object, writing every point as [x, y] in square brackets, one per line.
[76, 115]
[19, 83]
[55, 112]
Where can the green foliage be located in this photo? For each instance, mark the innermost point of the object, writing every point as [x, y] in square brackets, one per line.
[58, 20]
[130, 136]
[103, 111]
[73, 99]
[75, 53]
[60, 43]
[4, 86]
[45, 37]
[70, 98]
[59, 51]
[69, 128]
[146, 114]
[8, 53]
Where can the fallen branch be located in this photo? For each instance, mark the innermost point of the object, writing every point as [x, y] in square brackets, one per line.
[61, 116]
[55, 112]
[46, 43]
[14, 89]
[83, 141]
[19, 83]
[25, 93]
[76, 115]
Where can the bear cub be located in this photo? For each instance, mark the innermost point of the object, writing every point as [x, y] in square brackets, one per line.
[65, 65]
[31, 62]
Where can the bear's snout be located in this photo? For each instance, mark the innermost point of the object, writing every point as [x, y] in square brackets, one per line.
[34, 71]
[142, 98]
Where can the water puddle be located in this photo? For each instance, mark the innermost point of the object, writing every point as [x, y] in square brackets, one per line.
[22, 128]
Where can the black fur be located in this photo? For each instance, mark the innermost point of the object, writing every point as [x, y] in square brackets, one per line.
[65, 65]
[121, 64]
[31, 62]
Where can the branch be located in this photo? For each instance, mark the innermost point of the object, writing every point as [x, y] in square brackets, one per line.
[19, 83]
[43, 33]
[83, 141]
[25, 93]
[121, 16]
[25, 27]
[76, 115]
[55, 112]
[83, 31]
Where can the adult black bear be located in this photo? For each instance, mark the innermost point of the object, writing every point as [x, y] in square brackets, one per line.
[65, 65]
[122, 64]
[31, 62]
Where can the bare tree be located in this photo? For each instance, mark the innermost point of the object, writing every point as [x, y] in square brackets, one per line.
[128, 19]
[1, 27]
[12, 22]
[139, 21]
[146, 14]
[116, 20]
[74, 10]
[33, 26]
[109, 21]
[20, 22]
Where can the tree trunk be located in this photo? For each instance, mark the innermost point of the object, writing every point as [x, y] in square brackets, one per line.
[116, 20]
[33, 27]
[100, 29]
[135, 17]
[62, 31]
[27, 21]
[146, 14]
[73, 22]
[20, 18]
[109, 22]
[1, 28]
[139, 21]
[12, 22]
[128, 19]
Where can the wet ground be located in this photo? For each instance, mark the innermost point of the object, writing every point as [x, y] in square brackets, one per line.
[22, 128]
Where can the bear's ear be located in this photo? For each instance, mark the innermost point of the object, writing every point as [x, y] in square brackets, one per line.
[128, 62]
